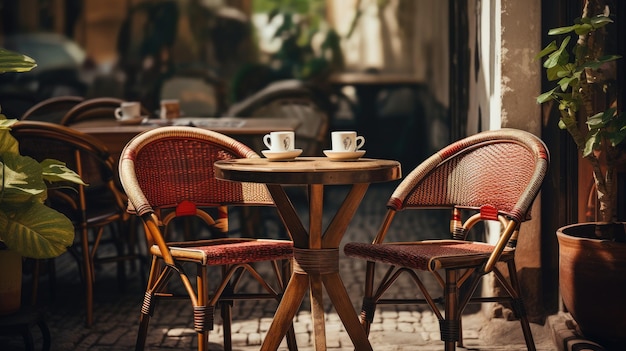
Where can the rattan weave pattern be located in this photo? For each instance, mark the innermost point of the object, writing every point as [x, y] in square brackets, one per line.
[159, 162]
[418, 256]
[467, 180]
[234, 252]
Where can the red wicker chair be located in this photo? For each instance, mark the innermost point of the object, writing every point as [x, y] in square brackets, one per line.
[167, 173]
[491, 176]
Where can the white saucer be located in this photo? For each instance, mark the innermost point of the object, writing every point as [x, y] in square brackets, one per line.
[281, 155]
[132, 121]
[344, 155]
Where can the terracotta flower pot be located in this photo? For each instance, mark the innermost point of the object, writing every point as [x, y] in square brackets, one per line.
[592, 280]
[10, 282]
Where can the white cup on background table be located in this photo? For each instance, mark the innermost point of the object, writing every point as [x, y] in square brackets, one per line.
[128, 110]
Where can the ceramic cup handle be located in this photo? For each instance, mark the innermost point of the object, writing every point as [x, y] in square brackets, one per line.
[266, 141]
[118, 113]
[360, 141]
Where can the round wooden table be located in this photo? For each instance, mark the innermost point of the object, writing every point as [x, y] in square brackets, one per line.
[316, 252]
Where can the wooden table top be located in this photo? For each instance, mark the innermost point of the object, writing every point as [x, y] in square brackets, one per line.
[308, 170]
[115, 135]
[224, 125]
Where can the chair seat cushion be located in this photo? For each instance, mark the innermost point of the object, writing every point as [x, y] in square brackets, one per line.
[425, 255]
[229, 251]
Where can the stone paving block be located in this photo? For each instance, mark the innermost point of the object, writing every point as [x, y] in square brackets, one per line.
[405, 327]
[238, 339]
[254, 339]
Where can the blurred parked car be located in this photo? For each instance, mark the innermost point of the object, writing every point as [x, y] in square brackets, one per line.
[60, 66]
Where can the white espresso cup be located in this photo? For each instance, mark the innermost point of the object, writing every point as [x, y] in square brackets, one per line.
[279, 141]
[170, 109]
[128, 110]
[346, 141]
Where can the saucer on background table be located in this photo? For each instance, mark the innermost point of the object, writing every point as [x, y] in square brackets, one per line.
[344, 155]
[281, 155]
[132, 121]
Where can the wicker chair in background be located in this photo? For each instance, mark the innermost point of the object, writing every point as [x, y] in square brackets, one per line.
[101, 108]
[98, 210]
[198, 90]
[490, 176]
[289, 99]
[167, 173]
[52, 109]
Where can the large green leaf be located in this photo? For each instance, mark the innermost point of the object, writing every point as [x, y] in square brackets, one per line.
[8, 144]
[56, 171]
[38, 232]
[20, 178]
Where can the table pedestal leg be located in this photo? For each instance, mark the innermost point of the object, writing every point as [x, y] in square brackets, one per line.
[292, 299]
[316, 269]
[340, 299]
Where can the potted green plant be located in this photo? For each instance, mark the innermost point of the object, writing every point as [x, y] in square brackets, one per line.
[28, 228]
[592, 256]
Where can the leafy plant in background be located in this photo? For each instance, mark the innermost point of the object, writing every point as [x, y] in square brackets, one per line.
[27, 225]
[578, 76]
[300, 55]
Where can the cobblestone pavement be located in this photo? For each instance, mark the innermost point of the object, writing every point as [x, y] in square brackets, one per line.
[396, 328]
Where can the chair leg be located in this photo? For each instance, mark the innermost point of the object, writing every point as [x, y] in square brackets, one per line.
[144, 320]
[203, 313]
[369, 304]
[88, 275]
[518, 306]
[227, 320]
[291, 339]
[449, 326]
[147, 307]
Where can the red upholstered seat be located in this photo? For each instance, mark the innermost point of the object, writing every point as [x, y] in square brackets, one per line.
[426, 255]
[229, 251]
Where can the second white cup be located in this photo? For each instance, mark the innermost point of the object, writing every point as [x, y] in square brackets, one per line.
[346, 141]
[279, 141]
[128, 110]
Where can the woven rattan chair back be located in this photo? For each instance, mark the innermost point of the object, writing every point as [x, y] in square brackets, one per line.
[502, 168]
[175, 164]
[199, 91]
[91, 208]
[168, 172]
[52, 109]
[490, 176]
[100, 108]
